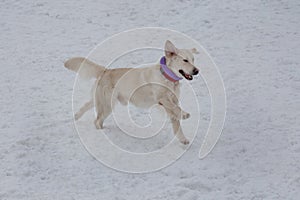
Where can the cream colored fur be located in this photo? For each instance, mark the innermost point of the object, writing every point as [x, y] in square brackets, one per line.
[142, 87]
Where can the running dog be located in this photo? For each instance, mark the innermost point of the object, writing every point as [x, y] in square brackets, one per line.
[142, 87]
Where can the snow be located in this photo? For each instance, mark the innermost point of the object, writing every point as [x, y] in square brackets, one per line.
[256, 47]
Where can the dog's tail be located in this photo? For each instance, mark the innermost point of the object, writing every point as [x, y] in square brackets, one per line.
[85, 68]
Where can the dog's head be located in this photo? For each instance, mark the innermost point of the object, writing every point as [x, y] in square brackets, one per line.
[181, 61]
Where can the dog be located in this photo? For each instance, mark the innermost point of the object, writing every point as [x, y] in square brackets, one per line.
[142, 87]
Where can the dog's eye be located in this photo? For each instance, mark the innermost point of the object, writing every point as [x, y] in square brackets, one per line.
[185, 60]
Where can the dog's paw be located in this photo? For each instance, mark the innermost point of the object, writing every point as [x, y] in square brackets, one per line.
[185, 141]
[76, 116]
[185, 115]
[98, 124]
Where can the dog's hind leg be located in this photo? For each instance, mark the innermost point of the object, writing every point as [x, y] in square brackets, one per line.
[83, 109]
[102, 114]
[104, 105]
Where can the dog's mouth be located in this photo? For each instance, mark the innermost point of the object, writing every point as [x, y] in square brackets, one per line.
[185, 75]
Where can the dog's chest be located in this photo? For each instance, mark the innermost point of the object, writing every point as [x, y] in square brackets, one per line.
[150, 94]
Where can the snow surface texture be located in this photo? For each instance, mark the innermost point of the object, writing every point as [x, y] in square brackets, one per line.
[256, 47]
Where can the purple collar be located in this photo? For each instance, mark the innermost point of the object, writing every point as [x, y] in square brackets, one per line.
[171, 76]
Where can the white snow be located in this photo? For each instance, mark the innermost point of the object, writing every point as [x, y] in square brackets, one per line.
[256, 47]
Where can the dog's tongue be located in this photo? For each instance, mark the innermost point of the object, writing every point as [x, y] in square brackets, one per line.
[189, 77]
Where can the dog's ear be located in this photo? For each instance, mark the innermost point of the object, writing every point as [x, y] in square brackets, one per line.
[194, 51]
[170, 49]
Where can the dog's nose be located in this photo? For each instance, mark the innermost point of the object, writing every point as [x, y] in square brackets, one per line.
[195, 71]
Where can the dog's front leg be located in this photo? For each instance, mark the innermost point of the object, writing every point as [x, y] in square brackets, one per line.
[178, 131]
[173, 109]
[175, 113]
